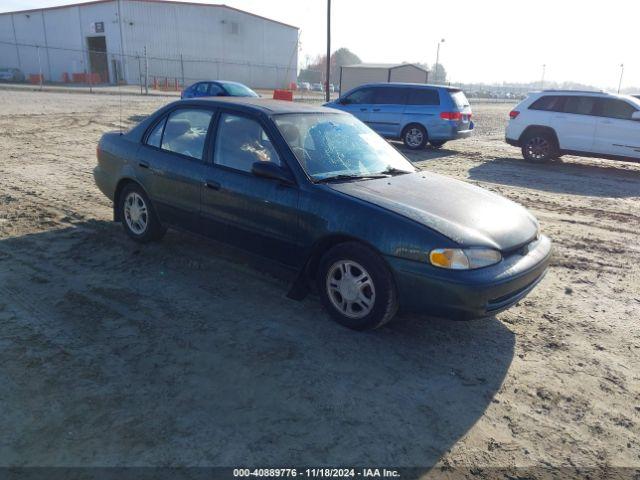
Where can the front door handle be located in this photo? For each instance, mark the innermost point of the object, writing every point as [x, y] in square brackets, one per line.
[363, 109]
[212, 184]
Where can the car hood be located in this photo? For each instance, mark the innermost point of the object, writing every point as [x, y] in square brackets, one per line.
[468, 215]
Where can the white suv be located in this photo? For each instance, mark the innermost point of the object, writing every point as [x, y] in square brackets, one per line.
[551, 123]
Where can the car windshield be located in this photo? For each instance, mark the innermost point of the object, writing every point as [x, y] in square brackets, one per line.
[339, 146]
[239, 90]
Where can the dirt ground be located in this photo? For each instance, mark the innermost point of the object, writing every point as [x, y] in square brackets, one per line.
[188, 353]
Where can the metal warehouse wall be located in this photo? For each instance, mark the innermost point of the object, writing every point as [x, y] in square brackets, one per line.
[61, 34]
[352, 77]
[214, 43]
[408, 73]
[194, 42]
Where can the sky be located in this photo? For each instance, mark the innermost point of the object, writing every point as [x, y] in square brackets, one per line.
[484, 40]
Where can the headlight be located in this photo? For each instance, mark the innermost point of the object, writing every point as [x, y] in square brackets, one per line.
[464, 259]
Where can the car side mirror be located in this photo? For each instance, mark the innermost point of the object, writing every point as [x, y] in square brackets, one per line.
[272, 171]
[635, 116]
[343, 101]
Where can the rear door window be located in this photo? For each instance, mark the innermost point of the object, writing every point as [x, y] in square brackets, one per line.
[215, 90]
[423, 96]
[612, 108]
[580, 105]
[389, 96]
[549, 103]
[186, 131]
[201, 88]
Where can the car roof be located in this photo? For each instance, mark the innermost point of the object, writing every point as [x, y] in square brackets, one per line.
[226, 82]
[407, 84]
[263, 105]
[588, 93]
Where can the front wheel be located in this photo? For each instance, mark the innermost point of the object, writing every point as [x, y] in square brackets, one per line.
[139, 219]
[415, 137]
[356, 287]
[539, 147]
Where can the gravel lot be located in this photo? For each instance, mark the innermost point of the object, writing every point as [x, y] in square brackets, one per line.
[188, 353]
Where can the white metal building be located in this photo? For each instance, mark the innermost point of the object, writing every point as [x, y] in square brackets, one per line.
[352, 76]
[182, 40]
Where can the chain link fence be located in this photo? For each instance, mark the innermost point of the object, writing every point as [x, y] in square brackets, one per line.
[99, 70]
[42, 65]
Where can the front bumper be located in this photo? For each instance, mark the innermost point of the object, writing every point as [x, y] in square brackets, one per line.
[472, 293]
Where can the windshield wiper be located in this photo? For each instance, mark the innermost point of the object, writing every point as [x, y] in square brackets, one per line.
[351, 176]
[393, 171]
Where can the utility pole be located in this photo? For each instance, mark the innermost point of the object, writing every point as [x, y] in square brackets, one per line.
[435, 73]
[621, 73]
[327, 93]
[544, 69]
[123, 68]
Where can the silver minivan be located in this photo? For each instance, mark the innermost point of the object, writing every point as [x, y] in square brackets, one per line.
[415, 113]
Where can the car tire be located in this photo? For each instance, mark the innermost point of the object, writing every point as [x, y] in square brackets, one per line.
[415, 136]
[437, 143]
[356, 287]
[138, 216]
[539, 147]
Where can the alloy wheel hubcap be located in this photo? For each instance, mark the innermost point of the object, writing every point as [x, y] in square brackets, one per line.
[135, 213]
[350, 289]
[414, 137]
[538, 148]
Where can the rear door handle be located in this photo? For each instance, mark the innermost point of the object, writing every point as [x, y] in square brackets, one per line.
[212, 184]
[143, 164]
[376, 109]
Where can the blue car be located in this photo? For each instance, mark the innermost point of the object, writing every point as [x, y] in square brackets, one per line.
[415, 113]
[218, 88]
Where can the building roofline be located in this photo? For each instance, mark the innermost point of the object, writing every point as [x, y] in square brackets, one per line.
[387, 66]
[172, 2]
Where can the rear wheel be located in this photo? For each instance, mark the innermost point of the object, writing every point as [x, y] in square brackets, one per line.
[415, 137]
[356, 287]
[139, 219]
[539, 147]
[437, 143]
